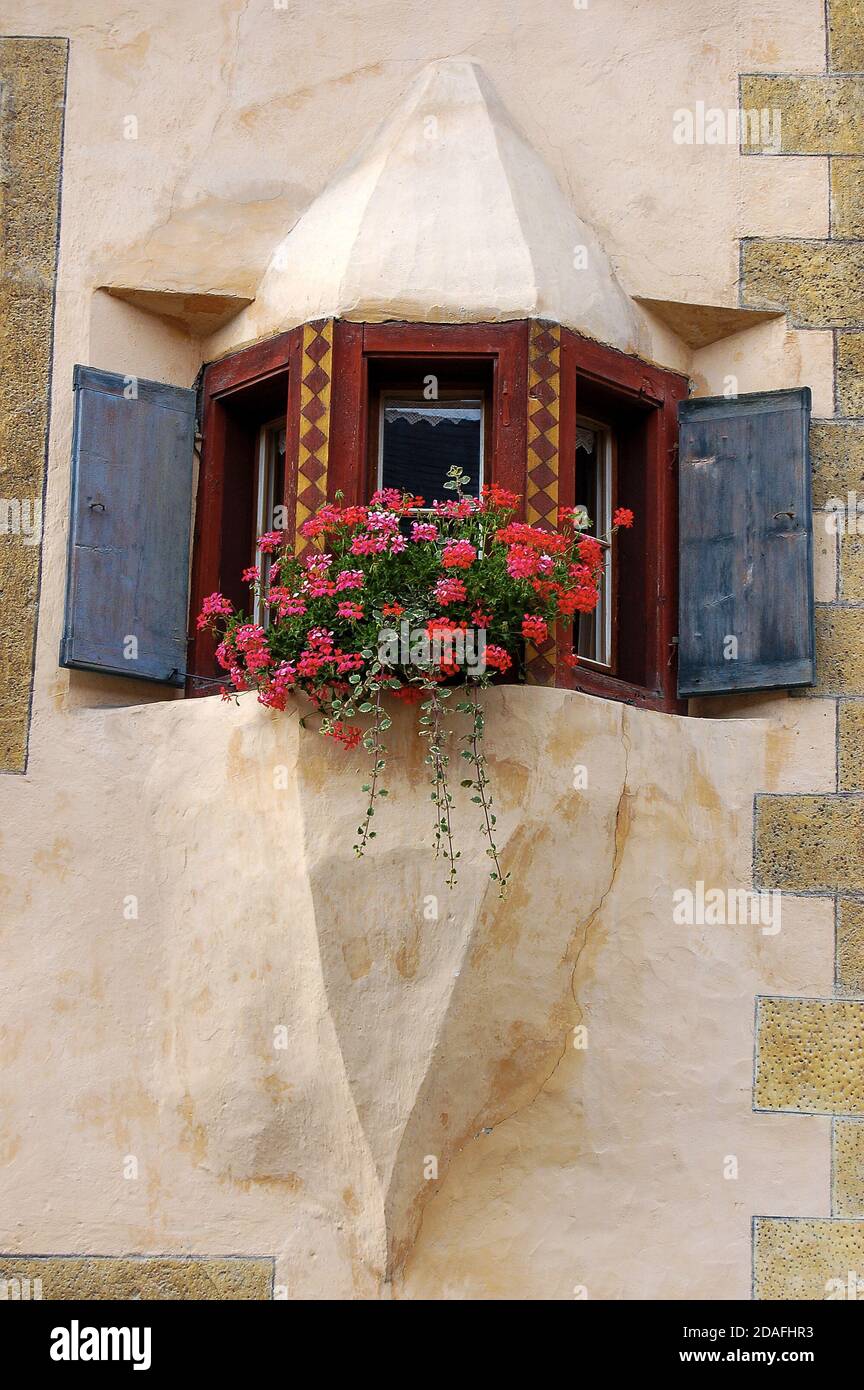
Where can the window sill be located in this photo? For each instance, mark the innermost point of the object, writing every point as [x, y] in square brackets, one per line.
[608, 687]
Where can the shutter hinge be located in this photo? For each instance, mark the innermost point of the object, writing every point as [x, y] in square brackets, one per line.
[198, 388]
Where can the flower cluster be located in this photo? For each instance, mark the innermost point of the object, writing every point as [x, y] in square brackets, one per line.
[462, 566]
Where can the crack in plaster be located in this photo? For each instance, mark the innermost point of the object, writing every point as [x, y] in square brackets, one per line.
[393, 1199]
[619, 841]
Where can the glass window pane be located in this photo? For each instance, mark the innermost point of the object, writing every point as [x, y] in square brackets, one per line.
[270, 499]
[421, 440]
[593, 491]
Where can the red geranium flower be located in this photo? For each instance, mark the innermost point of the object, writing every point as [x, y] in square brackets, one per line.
[458, 555]
[347, 734]
[534, 628]
[498, 658]
[496, 496]
[590, 552]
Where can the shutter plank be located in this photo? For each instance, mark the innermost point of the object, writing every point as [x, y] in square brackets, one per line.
[128, 565]
[745, 534]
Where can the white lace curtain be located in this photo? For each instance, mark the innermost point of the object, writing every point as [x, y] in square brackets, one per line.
[432, 415]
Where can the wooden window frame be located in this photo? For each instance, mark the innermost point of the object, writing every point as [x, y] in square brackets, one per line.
[263, 513]
[357, 347]
[504, 348]
[599, 528]
[221, 381]
[658, 392]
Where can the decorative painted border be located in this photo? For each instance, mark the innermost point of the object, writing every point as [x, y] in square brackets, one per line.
[541, 491]
[544, 410]
[313, 445]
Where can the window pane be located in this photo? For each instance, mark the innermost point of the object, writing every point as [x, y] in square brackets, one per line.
[275, 455]
[421, 440]
[593, 491]
[270, 498]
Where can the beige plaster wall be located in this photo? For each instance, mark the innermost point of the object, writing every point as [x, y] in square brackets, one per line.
[245, 110]
[155, 1037]
[407, 1038]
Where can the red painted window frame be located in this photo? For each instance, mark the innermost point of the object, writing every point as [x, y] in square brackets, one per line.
[355, 347]
[221, 380]
[658, 390]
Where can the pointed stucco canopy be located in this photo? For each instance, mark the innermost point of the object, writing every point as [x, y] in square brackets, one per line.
[446, 214]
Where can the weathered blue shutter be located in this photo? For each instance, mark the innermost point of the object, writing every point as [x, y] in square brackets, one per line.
[745, 534]
[128, 562]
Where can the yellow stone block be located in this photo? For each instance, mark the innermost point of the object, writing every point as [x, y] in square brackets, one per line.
[837, 455]
[807, 1258]
[850, 745]
[810, 1056]
[847, 1168]
[818, 115]
[810, 843]
[146, 1277]
[850, 946]
[32, 79]
[847, 197]
[819, 283]
[846, 35]
[850, 373]
[839, 651]
[852, 567]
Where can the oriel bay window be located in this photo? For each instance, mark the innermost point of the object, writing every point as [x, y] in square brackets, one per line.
[407, 402]
[339, 409]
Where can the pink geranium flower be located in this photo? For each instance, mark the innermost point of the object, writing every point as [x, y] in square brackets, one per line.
[271, 541]
[214, 606]
[449, 591]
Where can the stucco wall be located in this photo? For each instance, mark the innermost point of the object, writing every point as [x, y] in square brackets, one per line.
[157, 1036]
[153, 1037]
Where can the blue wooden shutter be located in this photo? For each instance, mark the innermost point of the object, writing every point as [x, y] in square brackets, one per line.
[745, 534]
[128, 561]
